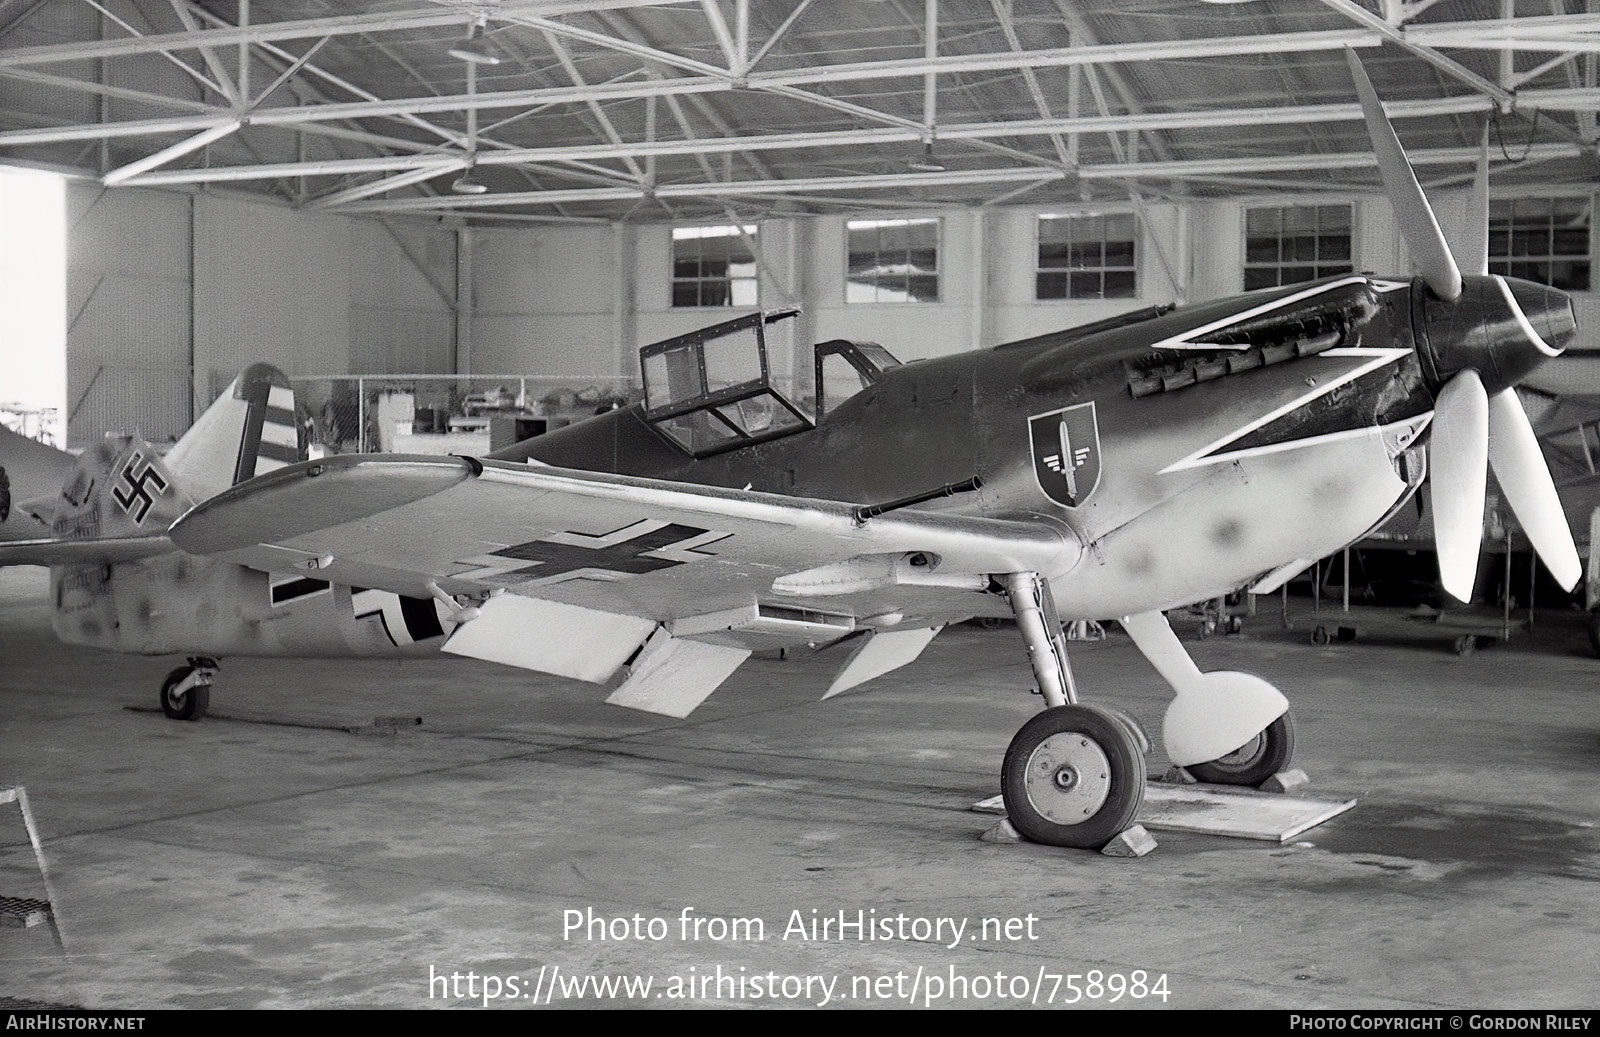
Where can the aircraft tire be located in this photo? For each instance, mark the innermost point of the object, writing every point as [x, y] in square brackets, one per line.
[1073, 776]
[1594, 632]
[188, 705]
[1254, 762]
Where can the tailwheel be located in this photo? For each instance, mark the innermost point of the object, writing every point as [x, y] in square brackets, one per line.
[186, 693]
[1073, 776]
[1253, 762]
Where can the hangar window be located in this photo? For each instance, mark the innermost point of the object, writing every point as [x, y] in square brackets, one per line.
[893, 261]
[1086, 257]
[714, 266]
[1542, 239]
[1288, 244]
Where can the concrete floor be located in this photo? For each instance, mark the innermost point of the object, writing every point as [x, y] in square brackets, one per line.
[266, 857]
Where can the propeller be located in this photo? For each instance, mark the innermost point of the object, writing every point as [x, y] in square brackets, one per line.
[1478, 422]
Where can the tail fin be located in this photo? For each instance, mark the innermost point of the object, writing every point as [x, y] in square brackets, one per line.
[250, 430]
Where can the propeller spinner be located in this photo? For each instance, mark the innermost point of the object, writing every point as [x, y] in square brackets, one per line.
[1478, 335]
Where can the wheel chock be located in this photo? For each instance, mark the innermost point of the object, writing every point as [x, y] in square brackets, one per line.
[1291, 780]
[1132, 842]
[1177, 776]
[1002, 832]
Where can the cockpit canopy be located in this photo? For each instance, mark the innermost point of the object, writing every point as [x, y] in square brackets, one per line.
[712, 389]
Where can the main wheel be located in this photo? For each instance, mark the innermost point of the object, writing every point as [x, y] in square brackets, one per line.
[184, 705]
[1253, 762]
[1073, 776]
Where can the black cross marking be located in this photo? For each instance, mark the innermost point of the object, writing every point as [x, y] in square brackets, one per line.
[627, 557]
[134, 495]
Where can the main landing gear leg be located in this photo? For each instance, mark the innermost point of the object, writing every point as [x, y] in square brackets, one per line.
[1225, 727]
[186, 693]
[1074, 775]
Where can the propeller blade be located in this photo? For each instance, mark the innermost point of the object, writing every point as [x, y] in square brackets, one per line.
[1525, 479]
[1458, 462]
[1411, 209]
[1475, 254]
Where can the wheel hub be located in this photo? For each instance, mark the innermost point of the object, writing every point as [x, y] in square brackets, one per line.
[1068, 778]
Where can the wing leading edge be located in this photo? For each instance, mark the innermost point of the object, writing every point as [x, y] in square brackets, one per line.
[579, 573]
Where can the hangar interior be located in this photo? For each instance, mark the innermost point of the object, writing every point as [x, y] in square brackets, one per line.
[210, 231]
[538, 188]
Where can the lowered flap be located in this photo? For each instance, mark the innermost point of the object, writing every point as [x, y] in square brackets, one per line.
[550, 637]
[672, 676]
[878, 653]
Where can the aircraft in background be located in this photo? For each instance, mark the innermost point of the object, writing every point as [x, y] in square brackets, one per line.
[1110, 471]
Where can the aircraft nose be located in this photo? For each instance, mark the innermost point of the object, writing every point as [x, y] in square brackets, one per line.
[1547, 311]
[1500, 327]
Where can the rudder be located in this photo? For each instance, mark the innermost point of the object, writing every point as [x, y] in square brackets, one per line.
[250, 430]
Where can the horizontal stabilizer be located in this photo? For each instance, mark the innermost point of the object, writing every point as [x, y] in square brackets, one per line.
[673, 676]
[83, 552]
[43, 509]
[550, 637]
[878, 653]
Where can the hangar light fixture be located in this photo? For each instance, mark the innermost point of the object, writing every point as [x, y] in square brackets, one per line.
[473, 52]
[926, 162]
[465, 184]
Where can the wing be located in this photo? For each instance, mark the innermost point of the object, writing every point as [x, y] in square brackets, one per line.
[577, 571]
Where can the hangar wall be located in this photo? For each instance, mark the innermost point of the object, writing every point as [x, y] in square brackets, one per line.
[171, 291]
[170, 294]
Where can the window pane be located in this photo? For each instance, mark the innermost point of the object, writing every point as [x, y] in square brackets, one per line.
[1119, 284]
[1052, 255]
[1085, 286]
[1260, 277]
[1261, 250]
[1569, 276]
[923, 288]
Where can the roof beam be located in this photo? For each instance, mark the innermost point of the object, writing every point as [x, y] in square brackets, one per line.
[787, 81]
[1318, 163]
[1567, 99]
[306, 28]
[1408, 39]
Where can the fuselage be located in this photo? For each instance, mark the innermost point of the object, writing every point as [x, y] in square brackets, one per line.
[1212, 443]
[1186, 451]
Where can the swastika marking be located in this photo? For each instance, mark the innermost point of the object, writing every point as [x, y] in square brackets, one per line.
[138, 476]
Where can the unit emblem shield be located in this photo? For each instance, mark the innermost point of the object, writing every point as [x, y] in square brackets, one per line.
[1066, 453]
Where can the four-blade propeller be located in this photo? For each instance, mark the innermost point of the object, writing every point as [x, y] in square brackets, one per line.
[1474, 429]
